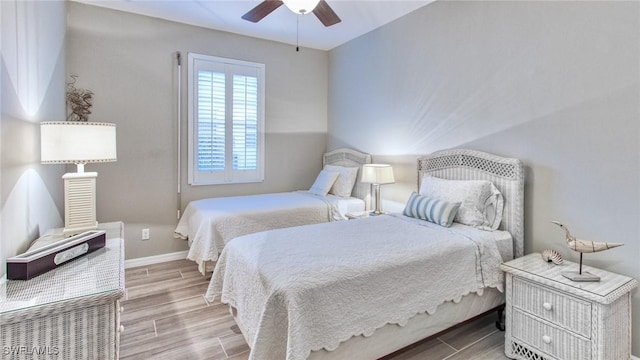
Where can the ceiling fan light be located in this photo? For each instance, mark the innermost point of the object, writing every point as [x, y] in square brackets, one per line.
[301, 6]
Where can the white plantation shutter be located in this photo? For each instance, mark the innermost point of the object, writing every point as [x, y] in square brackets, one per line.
[226, 119]
[245, 122]
[210, 116]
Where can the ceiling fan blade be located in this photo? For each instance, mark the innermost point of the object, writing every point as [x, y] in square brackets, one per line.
[263, 9]
[325, 14]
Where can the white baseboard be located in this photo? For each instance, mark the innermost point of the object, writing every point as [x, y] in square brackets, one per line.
[144, 261]
[634, 357]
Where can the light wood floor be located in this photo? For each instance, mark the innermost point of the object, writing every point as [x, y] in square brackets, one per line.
[166, 317]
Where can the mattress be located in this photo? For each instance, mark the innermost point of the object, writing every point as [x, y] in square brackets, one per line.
[312, 287]
[208, 224]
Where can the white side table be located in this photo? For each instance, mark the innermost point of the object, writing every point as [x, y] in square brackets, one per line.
[551, 317]
[71, 312]
[357, 215]
[362, 214]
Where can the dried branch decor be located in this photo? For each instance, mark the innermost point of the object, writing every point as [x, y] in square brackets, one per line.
[79, 101]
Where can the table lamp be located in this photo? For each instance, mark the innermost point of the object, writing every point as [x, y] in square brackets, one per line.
[79, 143]
[377, 174]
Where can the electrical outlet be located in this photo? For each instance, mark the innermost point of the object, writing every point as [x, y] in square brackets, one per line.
[145, 234]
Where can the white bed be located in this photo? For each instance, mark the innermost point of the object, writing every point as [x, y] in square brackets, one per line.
[353, 289]
[208, 224]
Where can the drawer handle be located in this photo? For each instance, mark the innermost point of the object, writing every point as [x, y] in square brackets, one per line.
[121, 329]
[547, 306]
[546, 339]
[121, 308]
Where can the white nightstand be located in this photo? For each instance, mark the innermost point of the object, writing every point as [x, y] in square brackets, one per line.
[551, 317]
[362, 214]
[357, 215]
[71, 312]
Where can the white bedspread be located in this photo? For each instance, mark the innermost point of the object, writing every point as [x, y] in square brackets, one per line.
[312, 287]
[209, 224]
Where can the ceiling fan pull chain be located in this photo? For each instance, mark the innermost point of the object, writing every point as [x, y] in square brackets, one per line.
[298, 32]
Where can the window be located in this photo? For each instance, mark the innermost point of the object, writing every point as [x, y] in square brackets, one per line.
[226, 120]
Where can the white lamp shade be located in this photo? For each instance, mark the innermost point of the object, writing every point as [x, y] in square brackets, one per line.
[377, 174]
[77, 142]
[301, 6]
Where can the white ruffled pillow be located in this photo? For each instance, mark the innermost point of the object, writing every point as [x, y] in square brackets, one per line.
[347, 178]
[481, 202]
[323, 182]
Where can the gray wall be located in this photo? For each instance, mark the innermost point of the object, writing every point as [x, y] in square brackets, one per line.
[128, 61]
[33, 84]
[556, 84]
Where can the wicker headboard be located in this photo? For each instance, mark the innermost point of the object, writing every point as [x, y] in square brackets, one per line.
[506, 173]
[349, 157]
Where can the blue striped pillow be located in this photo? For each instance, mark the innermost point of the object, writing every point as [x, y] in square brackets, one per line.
[433, 210]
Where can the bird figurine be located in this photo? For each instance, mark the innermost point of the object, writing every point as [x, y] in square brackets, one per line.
[583, 246]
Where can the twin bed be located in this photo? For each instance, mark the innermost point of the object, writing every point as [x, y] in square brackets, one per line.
[364, 288]
[209, 224]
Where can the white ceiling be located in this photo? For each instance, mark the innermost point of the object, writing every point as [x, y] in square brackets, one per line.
[358, 17]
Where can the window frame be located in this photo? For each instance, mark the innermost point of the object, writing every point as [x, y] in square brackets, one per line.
[231, 67]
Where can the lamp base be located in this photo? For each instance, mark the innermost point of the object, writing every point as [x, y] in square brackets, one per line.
[79, 202]
[66, 232]
[378, 210]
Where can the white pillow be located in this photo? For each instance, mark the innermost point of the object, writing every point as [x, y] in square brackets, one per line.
[323, 182]
[344, 185]
[433, 210]
[481, 202]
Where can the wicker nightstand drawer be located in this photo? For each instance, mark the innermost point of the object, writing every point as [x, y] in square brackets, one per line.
[549, 339]
[557, 307]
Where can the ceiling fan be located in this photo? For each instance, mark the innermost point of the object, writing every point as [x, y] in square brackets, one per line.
[320, 8]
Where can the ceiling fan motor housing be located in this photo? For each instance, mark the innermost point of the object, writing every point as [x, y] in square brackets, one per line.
[301, 6]
[320, 9]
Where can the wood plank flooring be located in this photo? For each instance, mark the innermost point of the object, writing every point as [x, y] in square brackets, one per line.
[166, 317]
